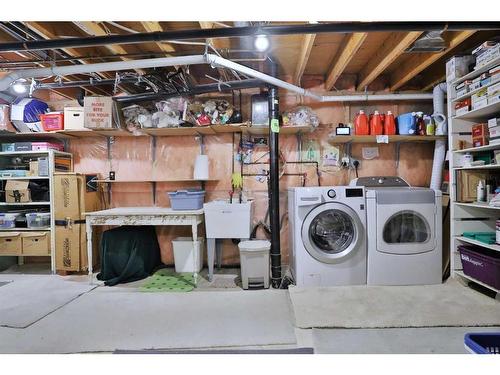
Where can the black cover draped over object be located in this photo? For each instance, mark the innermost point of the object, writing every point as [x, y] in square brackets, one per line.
[128, 253]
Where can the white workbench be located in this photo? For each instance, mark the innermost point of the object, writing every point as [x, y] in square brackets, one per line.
[141, 216]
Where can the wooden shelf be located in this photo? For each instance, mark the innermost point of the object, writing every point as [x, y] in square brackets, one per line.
[462, 274]
[24, 255]
[478, 149]
[481, 113]
[392, 138]
[477, 72]
[148, 181]
[45, 229]
[25, 204]
[477, 205]
[164, 132]
[15, 153]
[494, 247]
[487, 166]
[24, 178]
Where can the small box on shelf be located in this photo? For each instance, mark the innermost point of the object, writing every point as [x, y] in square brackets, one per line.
[11, 243]
[17, 191]
[35, 243]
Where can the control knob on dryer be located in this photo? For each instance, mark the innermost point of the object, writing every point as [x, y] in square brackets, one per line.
[331, 193]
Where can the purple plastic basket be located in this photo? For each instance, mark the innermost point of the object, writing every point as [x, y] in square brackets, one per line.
[187, 199]
[481, 264]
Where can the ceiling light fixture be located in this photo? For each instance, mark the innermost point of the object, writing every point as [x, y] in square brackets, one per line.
[20, 87]
[261, 43]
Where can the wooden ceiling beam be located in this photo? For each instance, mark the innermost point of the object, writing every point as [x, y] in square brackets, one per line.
[352, 43]
[388, 52]
[419, 62]
[47, 34]
[93, 28]
[305, 52]
[154, 26]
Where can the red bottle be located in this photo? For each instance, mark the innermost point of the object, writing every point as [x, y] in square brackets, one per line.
[376, 127]
[361, 124]
[389, 124]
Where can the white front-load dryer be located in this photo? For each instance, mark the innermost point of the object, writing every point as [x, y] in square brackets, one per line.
[328, 235]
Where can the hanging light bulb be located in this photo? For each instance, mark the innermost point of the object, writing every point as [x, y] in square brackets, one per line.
[261, 43]
[19, 87]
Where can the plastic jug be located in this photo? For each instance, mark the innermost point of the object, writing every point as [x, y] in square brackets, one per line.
[441, 123]
[430, 127]
[389, 124]
[376, 127]
[407, 123]
[361, 124]
[420, 123]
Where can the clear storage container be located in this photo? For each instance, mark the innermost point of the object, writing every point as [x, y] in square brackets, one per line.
[187, 199]
[8, 220]
[38, 219]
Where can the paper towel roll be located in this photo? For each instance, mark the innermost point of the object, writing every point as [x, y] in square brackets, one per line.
[201, 168]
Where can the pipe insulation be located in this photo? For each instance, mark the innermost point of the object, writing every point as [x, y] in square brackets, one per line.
[213, 60]
[440, 145]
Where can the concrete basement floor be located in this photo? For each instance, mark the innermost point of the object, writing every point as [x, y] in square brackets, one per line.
[230, 318]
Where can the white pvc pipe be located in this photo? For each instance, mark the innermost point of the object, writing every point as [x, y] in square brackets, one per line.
[211, 59]
[440, 145]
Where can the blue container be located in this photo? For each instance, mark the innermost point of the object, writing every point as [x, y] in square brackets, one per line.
[187, 199]
[482, 343]
[407, 124]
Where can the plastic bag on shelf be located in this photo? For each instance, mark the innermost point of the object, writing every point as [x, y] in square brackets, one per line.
[300, 116]
[136, 117]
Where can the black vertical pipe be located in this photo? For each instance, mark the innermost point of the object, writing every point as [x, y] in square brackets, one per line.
[274, 185]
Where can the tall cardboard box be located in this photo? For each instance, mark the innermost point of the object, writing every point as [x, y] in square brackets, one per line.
[99, 112]
[72, 198]
[16, 191]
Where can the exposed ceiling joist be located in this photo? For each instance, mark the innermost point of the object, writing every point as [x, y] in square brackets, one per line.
[348, 50]
[94, 29]
[154, 26]
[419, 62]
[216, 43]
[389, 51]
[47, 34]
[305, 52]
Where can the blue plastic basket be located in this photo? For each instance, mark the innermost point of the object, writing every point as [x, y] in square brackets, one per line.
[187, 199]
[482, 343]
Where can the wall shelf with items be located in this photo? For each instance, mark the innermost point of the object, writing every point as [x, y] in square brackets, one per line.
[466, 212]
[391, 138]
[23, 162]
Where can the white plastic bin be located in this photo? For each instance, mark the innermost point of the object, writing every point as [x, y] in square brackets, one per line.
[227, 220]
[254, 261]
[8, 220]
[185, 258]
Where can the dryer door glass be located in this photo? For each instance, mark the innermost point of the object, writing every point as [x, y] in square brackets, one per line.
[332, 231]
[406, 227]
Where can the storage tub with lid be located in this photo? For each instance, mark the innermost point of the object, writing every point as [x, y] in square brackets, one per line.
[38, 219]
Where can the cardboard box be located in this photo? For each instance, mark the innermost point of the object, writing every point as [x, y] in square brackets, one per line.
[480, 104]
[22, 146]
[493, 122]
[72, 198]
[16, 191]
[36, 243]
[74, 118]
[494, 99]
[478, 96]
[494, 132]
[461, 111]
[33, 171]
[99, 112]
[10, 243]
[479, 130]
[458, 66]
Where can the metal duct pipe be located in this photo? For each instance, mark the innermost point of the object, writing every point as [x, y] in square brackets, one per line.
[213, 60]
[7, 80]
[228, 32]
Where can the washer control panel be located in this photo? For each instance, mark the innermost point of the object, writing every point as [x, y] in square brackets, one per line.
[331, 193]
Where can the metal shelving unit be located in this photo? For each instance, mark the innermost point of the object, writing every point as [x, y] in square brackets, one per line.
[4, 206]
[469, 216]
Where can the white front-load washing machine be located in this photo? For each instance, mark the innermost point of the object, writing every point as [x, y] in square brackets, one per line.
[404, 232]
[328, 235]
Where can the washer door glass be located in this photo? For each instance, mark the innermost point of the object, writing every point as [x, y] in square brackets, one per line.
[406, 227]
[330, 232]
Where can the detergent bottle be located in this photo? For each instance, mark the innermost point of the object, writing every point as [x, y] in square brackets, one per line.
[376, 127]
[361, 124]
[389, 124]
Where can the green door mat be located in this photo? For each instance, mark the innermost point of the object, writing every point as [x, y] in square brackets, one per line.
[165, 280]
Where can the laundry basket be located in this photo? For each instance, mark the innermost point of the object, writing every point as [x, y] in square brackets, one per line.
[482, 343]
[254, 261]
